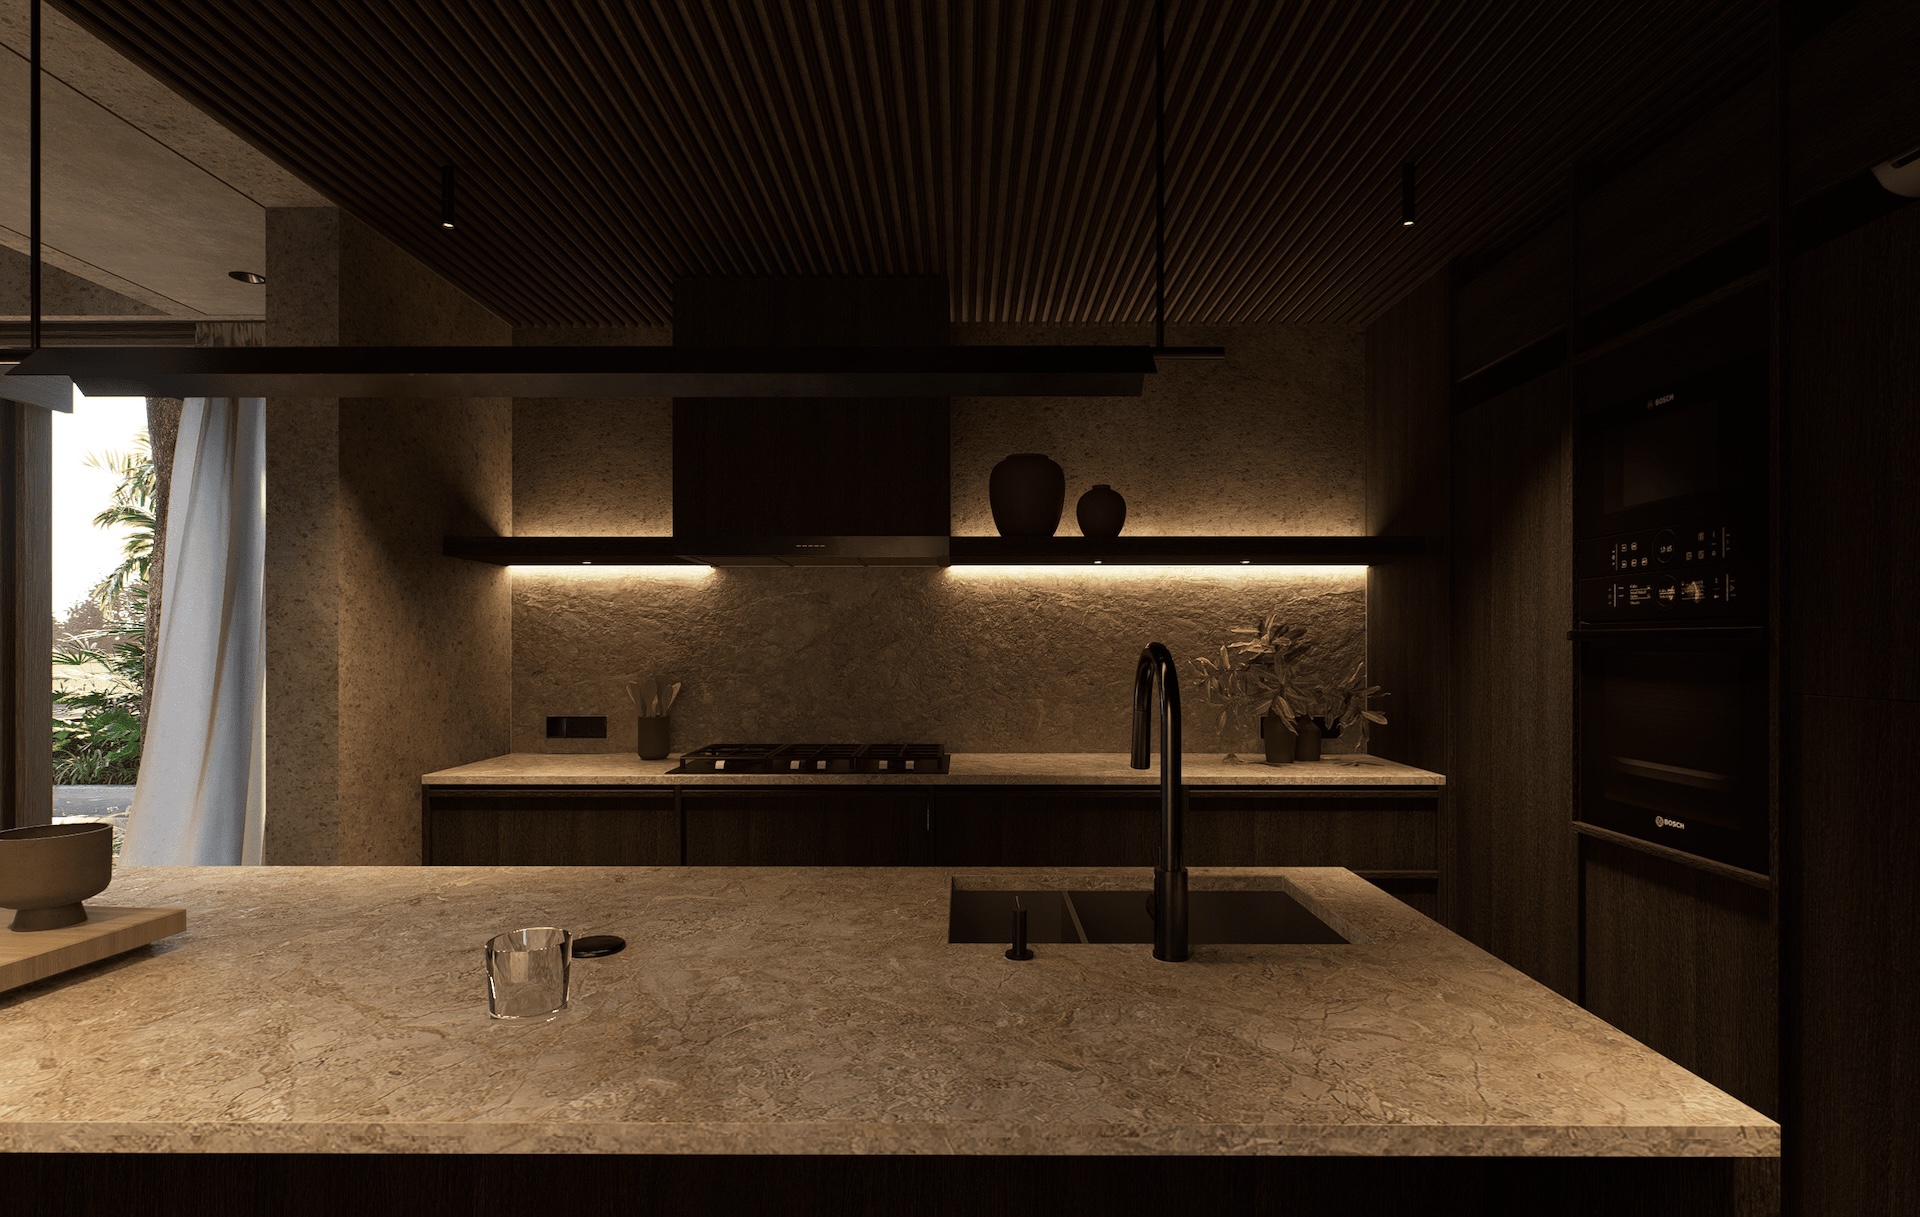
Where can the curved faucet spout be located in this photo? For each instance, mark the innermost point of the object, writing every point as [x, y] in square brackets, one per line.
[1155, 668]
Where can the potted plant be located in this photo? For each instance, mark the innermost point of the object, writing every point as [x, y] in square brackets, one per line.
[1253, 677]
[1332, 709]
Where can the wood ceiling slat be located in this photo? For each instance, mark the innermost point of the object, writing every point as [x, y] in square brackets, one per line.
[607, 146]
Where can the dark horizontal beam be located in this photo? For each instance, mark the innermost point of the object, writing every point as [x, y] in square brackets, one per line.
[933, 551]
[599, 371]
[1205, 551]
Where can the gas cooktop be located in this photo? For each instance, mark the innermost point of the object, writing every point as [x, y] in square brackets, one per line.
[815, 758]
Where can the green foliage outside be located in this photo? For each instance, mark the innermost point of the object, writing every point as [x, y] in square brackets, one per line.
[100, 674]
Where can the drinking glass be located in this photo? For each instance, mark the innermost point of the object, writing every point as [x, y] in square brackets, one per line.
[527, 972]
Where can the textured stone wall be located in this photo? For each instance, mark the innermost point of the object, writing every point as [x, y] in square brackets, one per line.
[983, 662]
[1271, 440]
[384, 659]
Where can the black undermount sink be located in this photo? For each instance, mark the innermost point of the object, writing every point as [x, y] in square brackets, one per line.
[1218, 917]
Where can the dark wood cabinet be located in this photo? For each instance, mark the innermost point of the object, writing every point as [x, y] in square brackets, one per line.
[1684, 960]
[465, 826]
[1091, 827]
[1369, 833]
[807, 828]
[1510, 864]
[1387, 835]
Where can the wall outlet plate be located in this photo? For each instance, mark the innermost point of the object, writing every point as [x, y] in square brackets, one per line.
[576, 726]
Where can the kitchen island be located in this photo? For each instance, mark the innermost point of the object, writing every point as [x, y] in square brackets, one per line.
[768, 1025]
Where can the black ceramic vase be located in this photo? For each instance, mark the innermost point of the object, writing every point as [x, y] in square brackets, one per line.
[1101, 512]
[1028, 492]
[1306, 745]
[1279, 741]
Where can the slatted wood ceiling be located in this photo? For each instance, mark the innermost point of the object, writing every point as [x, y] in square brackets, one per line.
[607, 147]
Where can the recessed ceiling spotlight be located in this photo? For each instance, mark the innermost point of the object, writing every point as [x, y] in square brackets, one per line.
[246, 276]
[1406, 195]
[446, 196]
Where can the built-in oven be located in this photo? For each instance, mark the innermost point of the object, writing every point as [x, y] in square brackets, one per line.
[1673, 741]
[1671, 586]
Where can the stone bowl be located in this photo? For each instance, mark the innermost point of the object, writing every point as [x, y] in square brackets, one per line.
[46, 871]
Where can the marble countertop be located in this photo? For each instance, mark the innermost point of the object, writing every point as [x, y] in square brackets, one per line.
[966, 769]
[770, 1011]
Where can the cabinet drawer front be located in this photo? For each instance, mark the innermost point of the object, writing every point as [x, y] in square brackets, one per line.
[1360, 837]
[550, 828]
[807, 830]
[588, 837]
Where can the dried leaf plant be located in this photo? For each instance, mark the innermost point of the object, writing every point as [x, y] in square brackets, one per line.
[1254, 677]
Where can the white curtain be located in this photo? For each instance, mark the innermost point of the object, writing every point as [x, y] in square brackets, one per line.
[202, 794]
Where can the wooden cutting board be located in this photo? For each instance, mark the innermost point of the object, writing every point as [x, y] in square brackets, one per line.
[27, 957]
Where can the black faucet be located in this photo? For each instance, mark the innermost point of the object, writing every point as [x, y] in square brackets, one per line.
[1170, 869]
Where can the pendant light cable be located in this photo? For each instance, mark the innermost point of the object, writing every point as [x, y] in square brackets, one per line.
[33, 176]
[1160, 174]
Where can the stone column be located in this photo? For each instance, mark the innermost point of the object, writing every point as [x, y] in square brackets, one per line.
[384, 659]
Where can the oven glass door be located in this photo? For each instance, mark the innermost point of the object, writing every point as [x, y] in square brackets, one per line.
[1674, 746]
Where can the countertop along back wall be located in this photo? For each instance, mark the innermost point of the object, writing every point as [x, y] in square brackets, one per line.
[1272, 440]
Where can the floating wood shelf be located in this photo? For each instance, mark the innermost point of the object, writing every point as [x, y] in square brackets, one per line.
[1183, 551]
[936, 551]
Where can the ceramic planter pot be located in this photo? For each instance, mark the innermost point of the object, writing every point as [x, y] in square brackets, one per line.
[1027, 492]
[1306, 745]
[1101, 513]
[654, 732]
[47, 870]
[1279, 741]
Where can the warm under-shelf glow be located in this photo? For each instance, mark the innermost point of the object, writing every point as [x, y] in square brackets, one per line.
[615, 570]
[1244, 572]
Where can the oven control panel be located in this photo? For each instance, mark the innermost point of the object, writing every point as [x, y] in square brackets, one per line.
[1698, 570]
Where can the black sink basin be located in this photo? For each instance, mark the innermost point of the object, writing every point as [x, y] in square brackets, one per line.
[1095, 917]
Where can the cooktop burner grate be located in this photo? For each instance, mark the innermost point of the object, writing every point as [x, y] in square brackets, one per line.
[815, 759]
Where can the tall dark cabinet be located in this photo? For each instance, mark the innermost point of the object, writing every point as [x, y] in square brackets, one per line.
[1753, 231]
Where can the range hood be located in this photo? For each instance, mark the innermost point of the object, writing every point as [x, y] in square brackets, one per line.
[828, 479]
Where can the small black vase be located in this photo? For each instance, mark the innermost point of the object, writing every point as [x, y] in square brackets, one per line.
[1028, 492]
[1101, 512]
[1278, 740]
[1306, 744]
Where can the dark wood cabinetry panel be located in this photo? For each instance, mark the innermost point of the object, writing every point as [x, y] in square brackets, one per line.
[1855, 95]
[1361, 832]
[1700, 189]
[1513, 303]
[1509, 866]
[1093, 827]
[466, 827]
[1683, 961]
[1852, 444]
[807, 828]
[1408, 405]
[1850, 822]
[1854, 918]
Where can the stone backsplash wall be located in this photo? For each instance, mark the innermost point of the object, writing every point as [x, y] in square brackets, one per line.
[1271, 440]
[980, 661]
